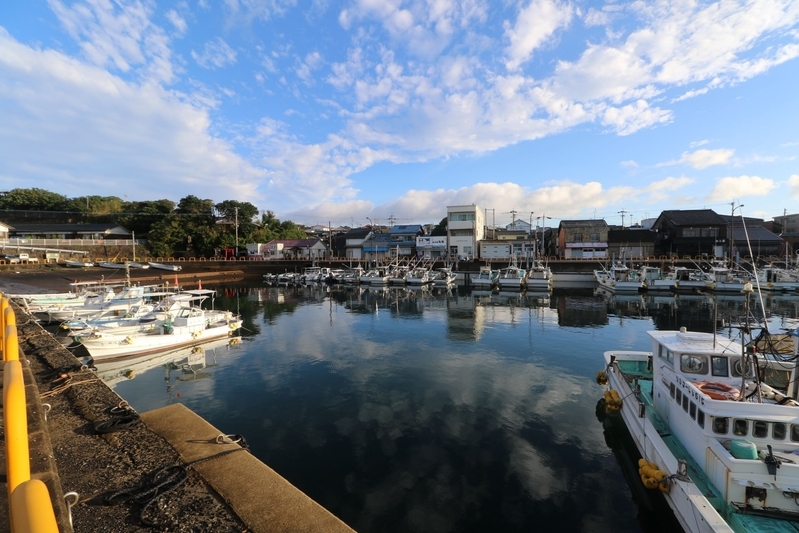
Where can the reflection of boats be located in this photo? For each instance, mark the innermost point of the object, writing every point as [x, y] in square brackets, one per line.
[724, 444]
[444, 277]
[188, 360]
[163, 266]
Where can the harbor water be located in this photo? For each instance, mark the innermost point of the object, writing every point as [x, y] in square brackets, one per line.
[433, 410]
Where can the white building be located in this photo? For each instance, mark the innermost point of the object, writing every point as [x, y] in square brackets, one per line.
[465, 229]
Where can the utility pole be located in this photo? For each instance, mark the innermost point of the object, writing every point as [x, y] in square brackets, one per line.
[513, 218]
[391, 220]
[622, 218]
[237, 230]
[329, 240]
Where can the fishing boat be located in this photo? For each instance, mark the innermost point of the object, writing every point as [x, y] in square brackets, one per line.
[654, 279]
[78, 264]
[485, 279]
[512, 278]
[192, 325]
[109, 264]
[539, 277]
[720, 442]
[135, 264]
[419, 277]
[619, 278]
[163, 266]
[444, 277]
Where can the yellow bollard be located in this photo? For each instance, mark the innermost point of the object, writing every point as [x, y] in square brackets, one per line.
[10, 344]
[32, 509]
[18, 465]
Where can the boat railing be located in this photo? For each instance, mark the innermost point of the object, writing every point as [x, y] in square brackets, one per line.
[30, 505]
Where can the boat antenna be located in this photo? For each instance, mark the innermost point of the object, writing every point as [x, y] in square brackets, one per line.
[754, 269]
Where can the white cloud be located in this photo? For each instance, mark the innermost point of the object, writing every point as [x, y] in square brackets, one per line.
[215, 54]
[105, 133]
[118, 36]
[793, 186]
[660, 191]
[633, 117]
[730, 188]
[177, 21]
[704, 158]
[534, 26]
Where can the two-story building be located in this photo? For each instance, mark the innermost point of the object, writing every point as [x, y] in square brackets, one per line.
[583, 239]
[508, 244]
[403, 239]
[691, 232]
[353, 245]
[787, 226]
[634, 242]
[465, 230]
[306, 249]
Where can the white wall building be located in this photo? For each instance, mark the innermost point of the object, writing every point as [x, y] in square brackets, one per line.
[465, 229]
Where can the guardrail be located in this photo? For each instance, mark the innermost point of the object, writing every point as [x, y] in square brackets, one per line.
[30, 505]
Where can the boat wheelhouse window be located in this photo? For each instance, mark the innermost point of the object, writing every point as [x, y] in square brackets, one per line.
[720, 425]
[671, 389]
[740, 427]
[692, 410]
[778, 431]
[679, 397]
[693, 364]
[719, 366]
[760, 429]
[685, 403]
[670, 357]
[700, 418]
[737, 368]
[795, 432]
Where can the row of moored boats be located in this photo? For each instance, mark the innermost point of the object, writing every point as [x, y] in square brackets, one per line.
[115, 321]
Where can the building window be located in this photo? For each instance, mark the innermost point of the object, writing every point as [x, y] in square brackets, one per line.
[690, 232]
[595, 237]
[461, 217]
[577, 237]
[709, 232]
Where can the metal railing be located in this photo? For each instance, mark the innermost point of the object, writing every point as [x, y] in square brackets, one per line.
[30, 505]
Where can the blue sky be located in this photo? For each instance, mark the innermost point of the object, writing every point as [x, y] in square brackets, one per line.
[337, 111]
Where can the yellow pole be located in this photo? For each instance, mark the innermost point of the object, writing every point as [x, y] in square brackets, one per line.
[3, 306]
[18, 466]
[10, 345]
[32, 509]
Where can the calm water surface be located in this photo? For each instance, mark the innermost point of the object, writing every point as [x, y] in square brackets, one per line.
[431, 411]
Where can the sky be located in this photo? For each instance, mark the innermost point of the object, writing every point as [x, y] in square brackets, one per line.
[365, 111]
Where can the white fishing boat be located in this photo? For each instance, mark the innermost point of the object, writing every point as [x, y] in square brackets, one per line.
[485, 279]
[539, 277]
[190, 326]
[377, 277]
[78, 264]
[109, 264]
[419, 276]
[689, 279]
[444, 277]
[113, 303]
[619, 278]
[398, 277]
[164, 266]
[775, 279]
[512, 278]
[135, 264]
[655, 281]
[352, 276]
[721, 444]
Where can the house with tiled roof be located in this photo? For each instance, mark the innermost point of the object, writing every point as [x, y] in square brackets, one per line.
[403, 238]
[690, 232]
[751, 233]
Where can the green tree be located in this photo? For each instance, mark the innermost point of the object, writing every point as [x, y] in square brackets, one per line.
[33, 199]
[244, 213]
